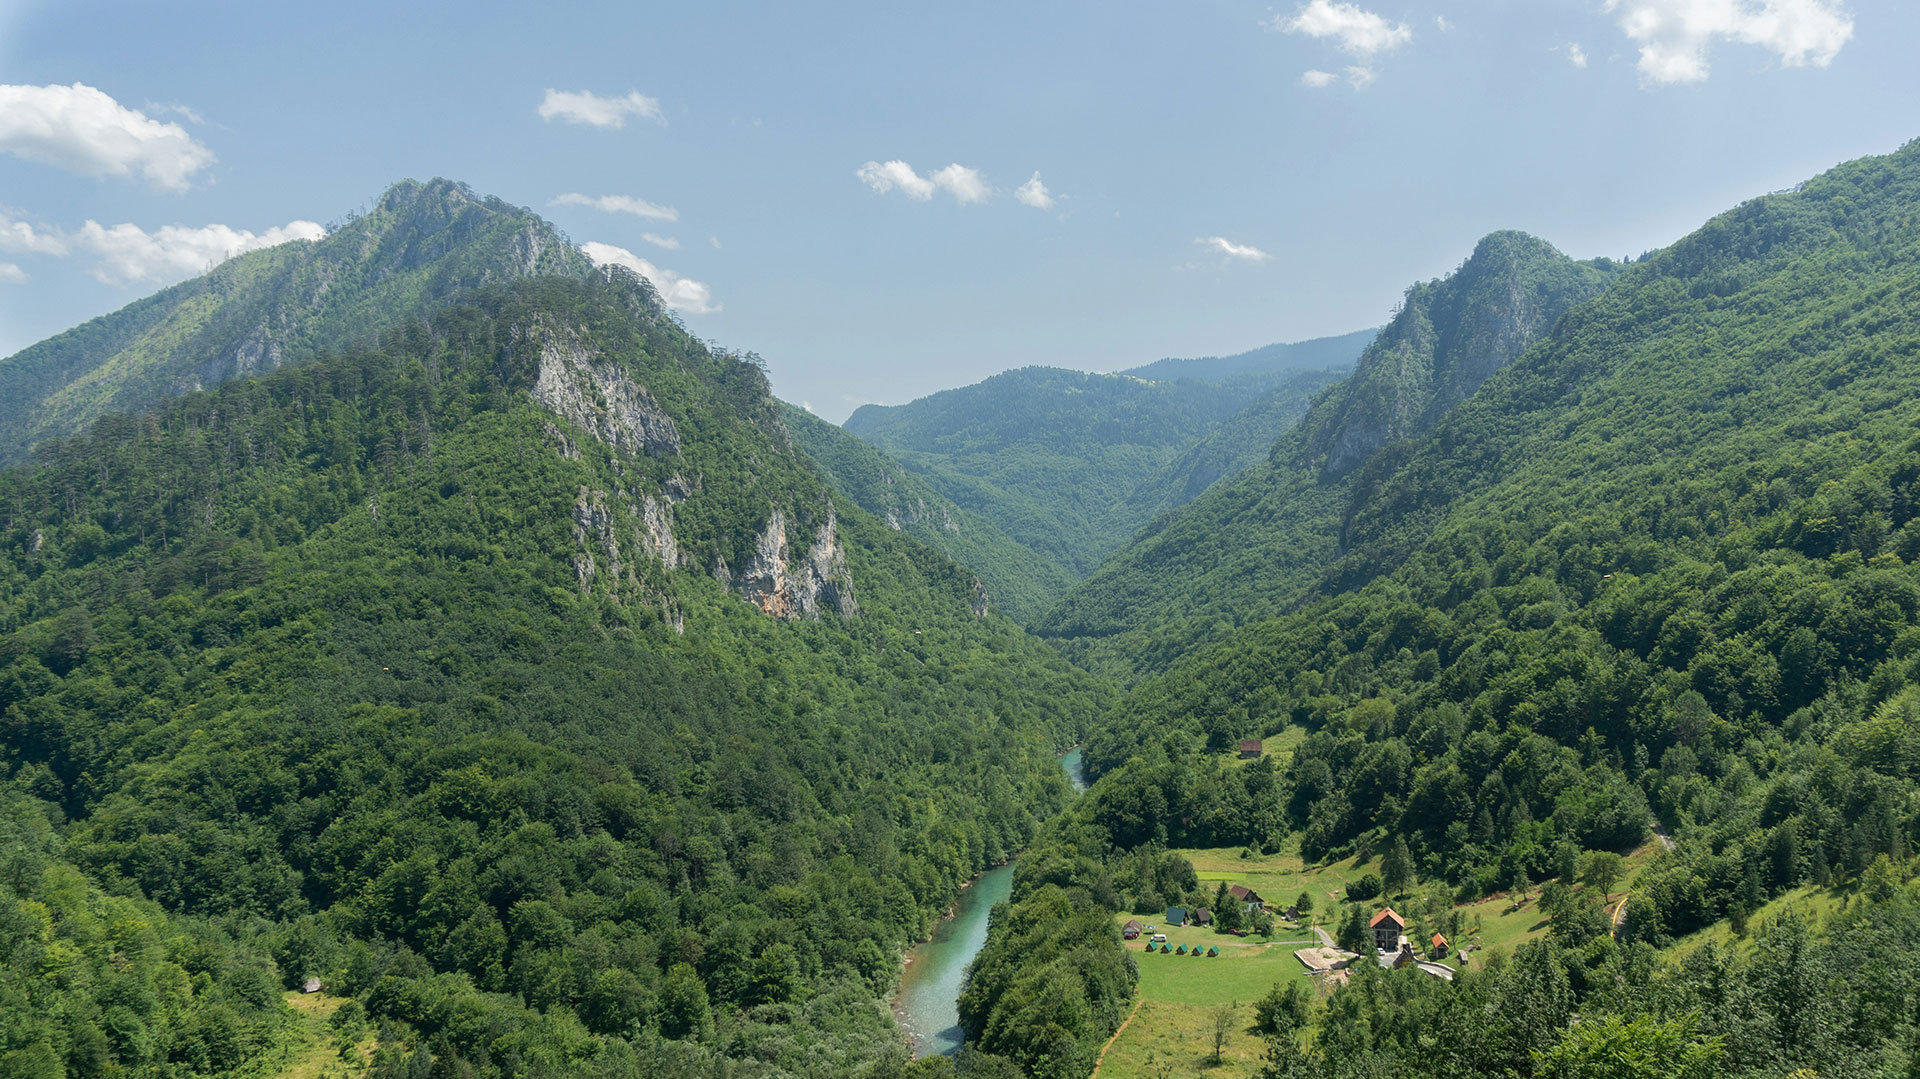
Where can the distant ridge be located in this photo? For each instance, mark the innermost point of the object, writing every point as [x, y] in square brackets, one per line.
[1319, 352]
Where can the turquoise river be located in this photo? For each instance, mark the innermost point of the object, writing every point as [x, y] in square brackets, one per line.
[928, 1004]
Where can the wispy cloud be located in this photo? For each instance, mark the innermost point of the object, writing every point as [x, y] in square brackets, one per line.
[618, 204]
[1243, 252]
[185, 112]
[85, 131]
[1675, 36]
[1034, 193]
[11, 274]
[585, 107]
[1351, 27]
[680, 293]
[964, 184]
[1317, 79]
[1576, 55]
[658, 240]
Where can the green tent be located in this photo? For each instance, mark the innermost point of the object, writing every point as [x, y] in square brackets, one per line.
[1182, 950]
[1196, 951]
[1211, 952]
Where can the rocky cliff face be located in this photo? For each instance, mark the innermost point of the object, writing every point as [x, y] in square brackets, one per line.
[1448, 337]
[786, 588]
[595, 395]
[599, 399]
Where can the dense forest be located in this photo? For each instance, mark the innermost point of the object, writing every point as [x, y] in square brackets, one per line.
[371, 670]
[1661, 568]
[1248, 548]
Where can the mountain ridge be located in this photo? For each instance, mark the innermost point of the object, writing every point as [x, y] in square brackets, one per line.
[419, 246]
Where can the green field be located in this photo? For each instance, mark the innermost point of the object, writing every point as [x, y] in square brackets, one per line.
[1178, 993]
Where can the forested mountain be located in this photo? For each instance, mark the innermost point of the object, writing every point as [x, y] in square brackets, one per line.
[514, 673]
[1664, 565]
[1240, 441]
[1072, 464]
[420, 245]
[1676, 530]
[1250, 546]
[1018, 581]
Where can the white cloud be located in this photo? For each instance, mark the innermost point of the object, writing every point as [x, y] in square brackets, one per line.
[658, 240]
[1317, 79]
[619, 204]
[585, 107]
[1224, 246]
[11, 274]
[1352, 28]
[963, 183]
[715, 241]
[21, 236]
[1360, 77]
[129, 253]
[1674, 35]
[1034, 193]
[1441, 22]
[85, 131]
[885, 177]
[1576, 54]
[680, 293]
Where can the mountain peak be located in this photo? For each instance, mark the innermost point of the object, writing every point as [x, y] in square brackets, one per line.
[419, 248]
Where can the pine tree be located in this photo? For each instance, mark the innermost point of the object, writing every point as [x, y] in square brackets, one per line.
[1397, 866]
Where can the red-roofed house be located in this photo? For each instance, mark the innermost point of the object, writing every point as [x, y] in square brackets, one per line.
[1387, 929]
[1439, 947]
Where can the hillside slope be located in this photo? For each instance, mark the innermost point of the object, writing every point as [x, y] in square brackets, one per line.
[1677, 530]
[517, 676]
[1018, 581]
[420, 245]
[1252, 545]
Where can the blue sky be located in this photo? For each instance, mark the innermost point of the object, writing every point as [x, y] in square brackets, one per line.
[1217, 175]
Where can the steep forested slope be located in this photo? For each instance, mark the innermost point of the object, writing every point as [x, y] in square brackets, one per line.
[1678, 529]
[1253, 544]
[1667, 564]
[420, 245]
[1241, 441]
[1019, 581]
[1072, 464]
[516, 675]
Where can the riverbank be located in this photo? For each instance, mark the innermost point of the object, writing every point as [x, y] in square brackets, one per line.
[927, 1005]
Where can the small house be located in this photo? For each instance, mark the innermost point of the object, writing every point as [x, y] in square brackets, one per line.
[1387, 930]
[1250, 900]
[1176, 915]
[1212, 952]
[1131, 930]
[1439, 946]
[1202, 916]
[1181, 950]
[1249, 748]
